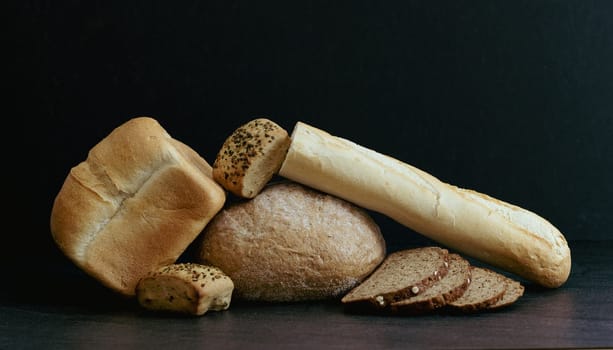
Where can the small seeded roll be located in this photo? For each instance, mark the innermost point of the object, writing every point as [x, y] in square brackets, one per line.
[250, 157]
[185, 288]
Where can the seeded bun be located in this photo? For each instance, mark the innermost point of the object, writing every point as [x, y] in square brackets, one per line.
[185, 288]
[250, 157]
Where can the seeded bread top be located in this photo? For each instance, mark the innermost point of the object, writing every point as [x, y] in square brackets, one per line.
[190, 271]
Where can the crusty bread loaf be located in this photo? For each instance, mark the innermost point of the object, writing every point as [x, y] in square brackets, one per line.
[402, 275]
[135, 204]
[292, 243]
[486, 288]
[447, 289]
[250, 157]
[185, 288]
[498, 233]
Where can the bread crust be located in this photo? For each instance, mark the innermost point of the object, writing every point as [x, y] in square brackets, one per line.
[136, 203]
[496, 232]
[292, 243]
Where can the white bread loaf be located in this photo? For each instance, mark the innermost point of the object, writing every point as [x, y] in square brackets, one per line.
[135, 204]
[292, 243]
[496, 232]
[185, 288]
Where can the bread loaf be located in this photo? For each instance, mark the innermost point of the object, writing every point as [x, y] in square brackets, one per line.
[250, 157]
[292, 243]
[135, 204]
[496, 232]
[185, 288]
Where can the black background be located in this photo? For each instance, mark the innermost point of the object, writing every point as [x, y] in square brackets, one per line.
[510, 98]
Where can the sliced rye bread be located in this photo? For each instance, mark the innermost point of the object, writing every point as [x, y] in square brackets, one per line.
[513, 291]
[403, 274]
[486, 288]
[448, 289]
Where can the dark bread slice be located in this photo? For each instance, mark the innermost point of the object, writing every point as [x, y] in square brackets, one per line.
[448, 289]
[486, 288]
[403, 274]
[513, 291]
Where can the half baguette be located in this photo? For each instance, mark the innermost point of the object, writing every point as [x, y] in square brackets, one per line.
[501, 234]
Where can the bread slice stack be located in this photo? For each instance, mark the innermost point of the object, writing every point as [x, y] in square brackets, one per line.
[426, 279]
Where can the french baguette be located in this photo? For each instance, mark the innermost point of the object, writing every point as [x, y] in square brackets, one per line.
[501, 234]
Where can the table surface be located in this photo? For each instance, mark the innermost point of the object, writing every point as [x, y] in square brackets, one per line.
[577, 315]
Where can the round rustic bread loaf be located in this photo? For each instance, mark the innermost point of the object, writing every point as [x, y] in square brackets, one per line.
[292, 243]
